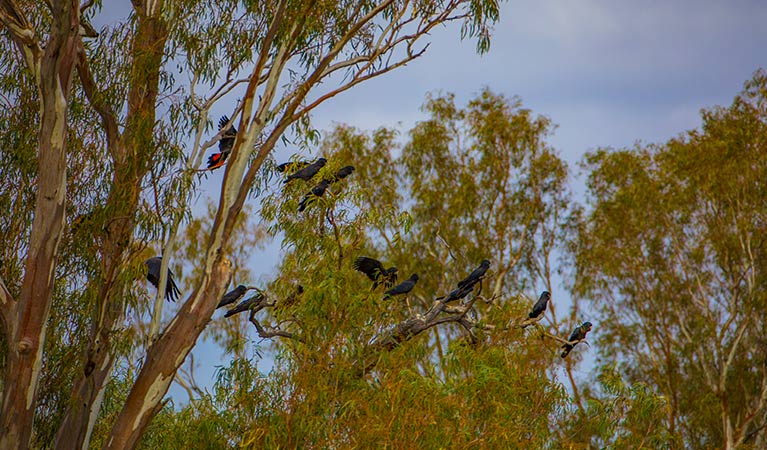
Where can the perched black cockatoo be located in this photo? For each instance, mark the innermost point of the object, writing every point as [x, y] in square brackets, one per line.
[475, 276]
[291, 166]
[343, 172]
[402, 288]
[225, 145]
[375, 271]
[317, 191]
[578, 334]
[538, 309]
[540, 306]
[232, 296]
[322, 186]
[457, 294]
[153, 275]
[307, 172]
[245, 304]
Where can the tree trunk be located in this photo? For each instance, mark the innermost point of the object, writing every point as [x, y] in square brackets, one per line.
[164, 357]
[132, 155]
[28, 316]
[85, 402]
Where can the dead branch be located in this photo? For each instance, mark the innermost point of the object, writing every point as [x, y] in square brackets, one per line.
[268, 333]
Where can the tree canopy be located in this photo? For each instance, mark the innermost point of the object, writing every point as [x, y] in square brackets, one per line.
[103, 141]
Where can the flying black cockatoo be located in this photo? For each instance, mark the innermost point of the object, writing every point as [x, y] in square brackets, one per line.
[291, 166]
[578, 334]
[322, 186]
[375, 271]
[538, 309]
[402, 288]
[475, 276]
[457, 294]
[307, 172]
[245, 304]
[153, 275]
[232, 296]
[225, 145]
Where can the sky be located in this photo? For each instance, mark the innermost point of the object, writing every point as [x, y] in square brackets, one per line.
[607, 73]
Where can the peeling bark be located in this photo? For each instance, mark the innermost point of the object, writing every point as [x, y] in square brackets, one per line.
[27, 317]
[164, 357]
[132, 153]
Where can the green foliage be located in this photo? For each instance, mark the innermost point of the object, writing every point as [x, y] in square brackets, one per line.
[671, 254]
[436, 388]
[618, 416]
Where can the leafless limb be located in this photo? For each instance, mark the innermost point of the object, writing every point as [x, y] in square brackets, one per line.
[529, 321]
[185, 378]
[447, 246]
[268, 333]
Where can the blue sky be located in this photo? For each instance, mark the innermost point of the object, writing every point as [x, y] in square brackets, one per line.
[608, 73]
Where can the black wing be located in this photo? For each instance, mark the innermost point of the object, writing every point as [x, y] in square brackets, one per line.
[402, 288]
[457, 294]
[369, 266]
[476, 275]
[292, 166]
[153, 276]
[227, 140]
[245, 305]
[540, 306]
[232, 296]
[307, 172]
[320, 188]
[344, 172]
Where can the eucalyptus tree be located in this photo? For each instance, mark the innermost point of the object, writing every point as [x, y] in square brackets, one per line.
[279, 60]
[672, 257]
[353, 369]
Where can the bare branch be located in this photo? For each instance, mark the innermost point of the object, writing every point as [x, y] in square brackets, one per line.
[22, 33]
[272, 331]
[108, 117]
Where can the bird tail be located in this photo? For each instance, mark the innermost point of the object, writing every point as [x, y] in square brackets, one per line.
[567, 348]
[233, 311]
[303, 204]
[216, 160]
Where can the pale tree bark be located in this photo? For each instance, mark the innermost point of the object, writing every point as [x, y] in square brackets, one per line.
[27, 316]
[261, 103]
[131, 152]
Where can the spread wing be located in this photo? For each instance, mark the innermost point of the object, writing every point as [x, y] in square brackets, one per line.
[227, 140]
[369, 266]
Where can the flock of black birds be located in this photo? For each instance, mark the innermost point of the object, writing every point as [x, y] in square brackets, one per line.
[371, 267]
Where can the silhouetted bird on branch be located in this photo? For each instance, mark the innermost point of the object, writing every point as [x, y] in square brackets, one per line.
[322, 186]
[233, 295]
[402, 288]
[578, 334]
[291, 166]
[246, 304]
[457, 294]
[307, 172]
[538, 309]
[476, 276]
